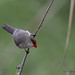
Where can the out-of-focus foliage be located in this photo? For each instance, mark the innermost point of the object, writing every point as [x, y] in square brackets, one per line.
[47, 58]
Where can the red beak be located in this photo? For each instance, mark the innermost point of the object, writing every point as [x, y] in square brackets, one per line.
[34, 43]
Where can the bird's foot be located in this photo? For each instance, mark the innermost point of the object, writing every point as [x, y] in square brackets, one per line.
[27, 51]
[33, 35]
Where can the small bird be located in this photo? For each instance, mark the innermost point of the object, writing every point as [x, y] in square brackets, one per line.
[23, 39]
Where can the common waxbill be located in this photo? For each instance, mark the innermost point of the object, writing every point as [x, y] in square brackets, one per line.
[22, 38]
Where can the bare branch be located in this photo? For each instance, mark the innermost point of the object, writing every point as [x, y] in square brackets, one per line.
[68, 32]
[23, 62]
[35, 34]
[43, 17]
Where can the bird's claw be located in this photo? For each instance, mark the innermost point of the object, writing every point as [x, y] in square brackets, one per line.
[33, 35]
[27, 51]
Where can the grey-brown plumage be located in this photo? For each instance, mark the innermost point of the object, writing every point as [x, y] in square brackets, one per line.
[22, 38]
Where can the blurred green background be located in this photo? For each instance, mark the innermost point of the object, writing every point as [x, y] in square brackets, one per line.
[47, 58]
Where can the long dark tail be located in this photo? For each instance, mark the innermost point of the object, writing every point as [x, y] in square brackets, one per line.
[8, 28]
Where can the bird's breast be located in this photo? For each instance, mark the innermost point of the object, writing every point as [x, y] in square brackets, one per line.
[22, 40]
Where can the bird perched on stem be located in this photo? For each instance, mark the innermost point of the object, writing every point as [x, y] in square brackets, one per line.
[23, 39]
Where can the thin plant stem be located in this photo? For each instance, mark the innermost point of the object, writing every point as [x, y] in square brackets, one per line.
[68, 33]
[23, 62]
[44, 17]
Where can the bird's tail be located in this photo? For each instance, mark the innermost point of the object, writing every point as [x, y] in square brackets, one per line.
[8, 28]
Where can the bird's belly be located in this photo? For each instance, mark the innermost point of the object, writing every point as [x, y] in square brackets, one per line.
[23, 45]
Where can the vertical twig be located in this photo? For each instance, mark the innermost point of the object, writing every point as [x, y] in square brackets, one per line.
[69, 29]
[23, 62]
[35, 34]
[44, 17]
[68, 33]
